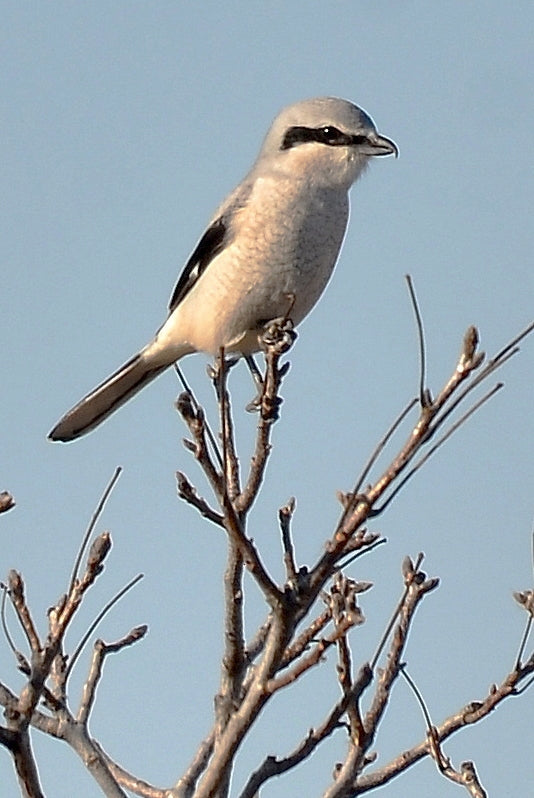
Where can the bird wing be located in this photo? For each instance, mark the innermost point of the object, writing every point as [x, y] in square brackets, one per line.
[217, 236]
[211, 243]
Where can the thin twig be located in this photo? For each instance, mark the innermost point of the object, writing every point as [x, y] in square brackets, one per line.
[527, 601]
[185, 786]
[89, 531]
[18, 600]
[285, 515]
[467, 776]
[511, 345]
[306, 638]
[508, 351]
[272, 766]
[255, 646]
[418, 695]
[452, 429]
[100, 651]
[379, 448]
[251, 558]
[310, 660]
[196, 405]
[374, 543]
[470, 714]
[523, 643]
[355, 496]
[103, 612]
[276, 342]
[5, 627]
[230, 462]
[127, 780]
[187, 492]
[410, 574]
[423, 392]
[196, 422]
[234, 520]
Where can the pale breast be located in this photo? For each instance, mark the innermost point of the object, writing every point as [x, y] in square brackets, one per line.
[284, 244]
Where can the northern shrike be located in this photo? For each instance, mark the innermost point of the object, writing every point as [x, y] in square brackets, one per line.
[277, 236]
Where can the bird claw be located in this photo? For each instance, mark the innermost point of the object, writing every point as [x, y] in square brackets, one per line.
[278, 334]
[255, 404]
[213, 371]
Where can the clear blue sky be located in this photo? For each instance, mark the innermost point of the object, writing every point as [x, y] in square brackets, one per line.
[124, 126]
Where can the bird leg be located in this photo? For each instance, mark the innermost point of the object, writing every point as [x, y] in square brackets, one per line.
[214, 371]
[279, 335]
[255, 403]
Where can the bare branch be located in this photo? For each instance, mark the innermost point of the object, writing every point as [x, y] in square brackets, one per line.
[410, 573]
[311, 659]
[255, 646]
[185, 786]
[275, 767]
[438, 444]
[251, 558]
[278, 654]
[230, 462]
[466, 776]
[276, 342]
[100, 651]
[417, 586]
[16, 594]
[196, 405]
[92, 523]
[187, 492]
[78, 737]
[344, 672]
[362, 506]
[526, 599]
[470, 714]
[195, 420]
[244, 716]
[305, 638]
[349, 507]
[424, 398]
[285, 514]
[128, 780]
[18, 743]
[498, 360]
[103, 612]
[5, 628]
[233, 663]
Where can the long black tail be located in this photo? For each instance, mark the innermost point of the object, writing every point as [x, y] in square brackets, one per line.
[104, 400]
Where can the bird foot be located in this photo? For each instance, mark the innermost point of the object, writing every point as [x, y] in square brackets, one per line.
[214, 371]
[278, 334]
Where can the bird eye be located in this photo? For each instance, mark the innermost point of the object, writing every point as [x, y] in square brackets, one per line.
[328, 134]
[331, 134]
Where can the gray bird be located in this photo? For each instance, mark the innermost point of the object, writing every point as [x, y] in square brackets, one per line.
[277, 236]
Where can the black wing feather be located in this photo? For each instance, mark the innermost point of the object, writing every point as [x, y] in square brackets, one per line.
[211, 243]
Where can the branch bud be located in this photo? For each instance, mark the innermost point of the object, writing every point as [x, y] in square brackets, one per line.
[98, 552]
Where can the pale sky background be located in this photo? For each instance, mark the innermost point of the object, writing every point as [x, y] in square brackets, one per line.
[125, 124]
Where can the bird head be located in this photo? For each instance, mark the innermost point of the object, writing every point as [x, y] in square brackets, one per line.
[327, 138]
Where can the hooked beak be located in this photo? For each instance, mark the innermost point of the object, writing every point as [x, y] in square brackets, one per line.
[380, 145]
